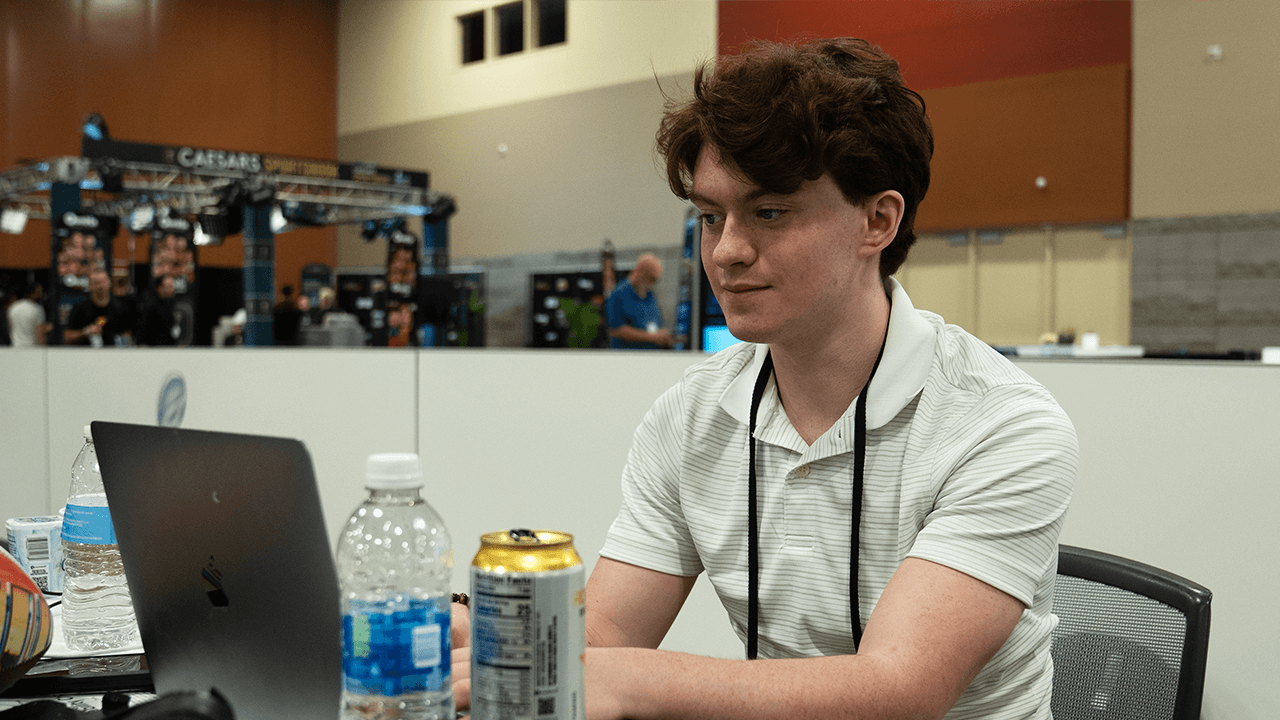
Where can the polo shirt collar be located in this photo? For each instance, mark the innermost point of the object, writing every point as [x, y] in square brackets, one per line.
[908, 355]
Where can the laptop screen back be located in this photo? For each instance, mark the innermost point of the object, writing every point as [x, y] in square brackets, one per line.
[229, 566]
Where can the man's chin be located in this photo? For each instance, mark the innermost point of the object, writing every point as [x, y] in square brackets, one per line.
[747, 332]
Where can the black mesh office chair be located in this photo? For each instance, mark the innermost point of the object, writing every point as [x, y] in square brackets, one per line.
[1131, 640]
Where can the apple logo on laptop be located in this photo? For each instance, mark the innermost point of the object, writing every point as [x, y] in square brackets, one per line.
[212, 578]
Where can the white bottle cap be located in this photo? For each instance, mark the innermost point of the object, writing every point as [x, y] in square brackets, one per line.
[390, 471]
[88, 434]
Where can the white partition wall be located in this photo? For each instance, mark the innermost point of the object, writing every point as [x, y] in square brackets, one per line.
[1180, 468]
[342, 404]
[24, 436]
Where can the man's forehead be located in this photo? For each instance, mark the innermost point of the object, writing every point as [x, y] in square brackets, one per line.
[710, 174]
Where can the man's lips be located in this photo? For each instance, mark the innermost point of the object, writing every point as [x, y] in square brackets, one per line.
[739, 288]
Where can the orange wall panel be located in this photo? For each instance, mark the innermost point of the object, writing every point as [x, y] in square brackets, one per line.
[993, 139]
[252, 76]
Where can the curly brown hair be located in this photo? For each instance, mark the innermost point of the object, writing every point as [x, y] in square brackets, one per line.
[781, 114]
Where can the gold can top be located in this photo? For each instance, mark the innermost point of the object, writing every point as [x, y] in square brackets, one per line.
[526, 551]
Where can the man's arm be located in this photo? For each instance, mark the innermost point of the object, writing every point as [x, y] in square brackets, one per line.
[629, 333]
[932, 631]
[630, 606]
[77, 336]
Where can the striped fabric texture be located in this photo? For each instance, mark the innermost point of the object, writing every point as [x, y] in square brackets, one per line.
[970, 464]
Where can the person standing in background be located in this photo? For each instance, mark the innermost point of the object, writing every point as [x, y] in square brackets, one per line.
[286, 319]
[632, 312]
[101, 320]
[27, 326]
[327, 298]
[159, 326]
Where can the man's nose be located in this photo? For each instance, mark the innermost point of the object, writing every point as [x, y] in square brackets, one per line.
[735, 245]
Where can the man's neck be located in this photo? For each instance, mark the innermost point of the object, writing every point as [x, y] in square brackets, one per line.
[100, 301]
[817, 384]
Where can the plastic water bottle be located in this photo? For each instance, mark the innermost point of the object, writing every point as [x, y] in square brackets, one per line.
[395, 562]
[97, 612]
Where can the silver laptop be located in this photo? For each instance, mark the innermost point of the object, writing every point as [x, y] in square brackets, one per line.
[228, 561]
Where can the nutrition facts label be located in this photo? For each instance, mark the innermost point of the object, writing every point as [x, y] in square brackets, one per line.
[525, 627]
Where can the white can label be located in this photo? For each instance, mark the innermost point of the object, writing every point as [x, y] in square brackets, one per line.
[36, 543]
[528, 641]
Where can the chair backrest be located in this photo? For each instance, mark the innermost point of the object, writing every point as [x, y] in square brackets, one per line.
[1131, 640]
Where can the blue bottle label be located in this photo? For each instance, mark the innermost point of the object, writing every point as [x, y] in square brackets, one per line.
[88, 525]
[394, 647]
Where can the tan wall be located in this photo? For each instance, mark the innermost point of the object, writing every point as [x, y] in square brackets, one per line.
[1206, 135]
[400, 60]
[578, 168]
[1036, 281]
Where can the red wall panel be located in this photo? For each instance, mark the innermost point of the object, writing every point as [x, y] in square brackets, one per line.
[942, 43]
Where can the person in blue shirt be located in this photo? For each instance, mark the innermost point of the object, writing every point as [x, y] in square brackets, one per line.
[632, 312]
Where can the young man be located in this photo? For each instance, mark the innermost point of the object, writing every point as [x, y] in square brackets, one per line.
[885, 540]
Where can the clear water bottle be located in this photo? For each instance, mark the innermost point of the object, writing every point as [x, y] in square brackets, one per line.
[395, 563]
[97, 612]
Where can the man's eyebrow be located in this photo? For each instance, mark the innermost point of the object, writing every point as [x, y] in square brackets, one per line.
[754, 194]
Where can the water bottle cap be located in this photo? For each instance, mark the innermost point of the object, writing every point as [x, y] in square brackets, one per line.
[88, 433]
[386, 471]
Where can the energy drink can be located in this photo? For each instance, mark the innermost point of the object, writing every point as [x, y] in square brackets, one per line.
[528, 627]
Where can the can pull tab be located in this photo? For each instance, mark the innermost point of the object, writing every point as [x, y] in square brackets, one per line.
[522, 535]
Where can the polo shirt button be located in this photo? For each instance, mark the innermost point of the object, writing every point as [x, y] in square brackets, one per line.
[803, 471]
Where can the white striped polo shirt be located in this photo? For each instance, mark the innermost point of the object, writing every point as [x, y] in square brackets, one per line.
[970, 464]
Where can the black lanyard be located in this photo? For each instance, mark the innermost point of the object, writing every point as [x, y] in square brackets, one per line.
[753, 528]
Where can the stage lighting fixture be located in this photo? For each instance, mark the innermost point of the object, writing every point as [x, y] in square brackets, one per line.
[13, 220]
[70, 170]
[110, 174]
[211, 228]
[439, 207]
[392, 224]
[95, 128]
[141, 218]
[257, 193]
[278, 223]
[303, 214]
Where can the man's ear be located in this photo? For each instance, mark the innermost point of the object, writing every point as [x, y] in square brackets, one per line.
[884, 213]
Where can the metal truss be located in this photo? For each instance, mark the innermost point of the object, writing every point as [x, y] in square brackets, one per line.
[326, 201]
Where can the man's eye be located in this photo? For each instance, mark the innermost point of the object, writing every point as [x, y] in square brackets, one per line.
[710, 219]
[770, 214]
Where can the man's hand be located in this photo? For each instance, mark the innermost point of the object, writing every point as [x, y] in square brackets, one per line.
[460, 637]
